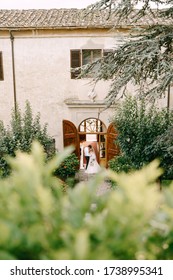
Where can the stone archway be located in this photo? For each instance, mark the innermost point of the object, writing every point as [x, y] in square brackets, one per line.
[91, 131]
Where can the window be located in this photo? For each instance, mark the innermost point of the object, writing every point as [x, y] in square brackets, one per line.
[106, 52]
[89, 56]
[92, 125]
[83, 57]
[1, 68]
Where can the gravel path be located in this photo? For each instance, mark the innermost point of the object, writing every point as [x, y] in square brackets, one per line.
[104, 187]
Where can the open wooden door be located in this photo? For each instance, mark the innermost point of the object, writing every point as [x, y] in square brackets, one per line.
[70, 136]
[112, 149]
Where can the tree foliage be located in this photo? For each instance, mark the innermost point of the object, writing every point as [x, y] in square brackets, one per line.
[146, 58]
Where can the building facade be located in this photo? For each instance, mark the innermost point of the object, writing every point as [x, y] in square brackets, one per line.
[38, 48]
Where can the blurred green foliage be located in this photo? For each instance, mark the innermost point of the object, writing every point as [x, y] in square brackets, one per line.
[39, 221]
[19, 135]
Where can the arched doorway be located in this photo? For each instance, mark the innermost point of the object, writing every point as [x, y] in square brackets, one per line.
[91, 131]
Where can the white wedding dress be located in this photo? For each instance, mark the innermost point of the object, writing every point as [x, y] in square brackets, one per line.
[93, 166]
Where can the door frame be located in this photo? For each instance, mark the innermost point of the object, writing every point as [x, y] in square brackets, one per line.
[99, 129]
[71, 136]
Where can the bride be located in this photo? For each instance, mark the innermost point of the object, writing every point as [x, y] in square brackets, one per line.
[93, 166]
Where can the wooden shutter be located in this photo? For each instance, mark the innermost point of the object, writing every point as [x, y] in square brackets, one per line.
[75, 62]
[1, 68]
[70, 136]
[112, 149]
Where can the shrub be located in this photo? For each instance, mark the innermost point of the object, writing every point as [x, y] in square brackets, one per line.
[139, 127]
[38, 221]
[121, 163]
[68, 167]
[20, 134]
[163, 145]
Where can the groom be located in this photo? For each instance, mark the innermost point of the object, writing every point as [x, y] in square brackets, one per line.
[87, 154]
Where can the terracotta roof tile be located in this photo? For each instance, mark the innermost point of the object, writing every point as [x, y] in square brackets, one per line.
[63, 18]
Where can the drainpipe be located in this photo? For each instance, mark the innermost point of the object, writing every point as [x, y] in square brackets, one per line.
[168, 99]
[13, 71]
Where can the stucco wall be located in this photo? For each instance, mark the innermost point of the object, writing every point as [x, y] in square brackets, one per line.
[42, 74]
[6, 86]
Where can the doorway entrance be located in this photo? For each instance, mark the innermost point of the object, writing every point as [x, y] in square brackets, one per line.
[91, 131]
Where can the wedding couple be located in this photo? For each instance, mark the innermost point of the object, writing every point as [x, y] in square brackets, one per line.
[92, 165]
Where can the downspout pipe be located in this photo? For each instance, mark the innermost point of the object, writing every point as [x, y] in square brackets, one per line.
[13, 71]
[168, 98]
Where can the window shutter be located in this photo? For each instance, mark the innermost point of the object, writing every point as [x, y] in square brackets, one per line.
[75, 62]
[1, 68]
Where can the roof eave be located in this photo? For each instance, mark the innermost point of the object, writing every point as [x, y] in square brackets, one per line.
[107, 27]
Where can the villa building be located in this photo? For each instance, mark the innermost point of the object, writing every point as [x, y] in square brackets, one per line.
[38, 49]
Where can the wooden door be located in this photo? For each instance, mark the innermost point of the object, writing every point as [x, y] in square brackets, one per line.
[70, 136]
[112, 149]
